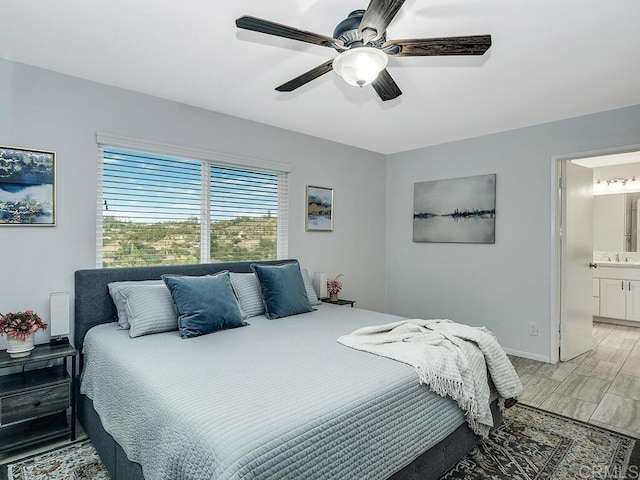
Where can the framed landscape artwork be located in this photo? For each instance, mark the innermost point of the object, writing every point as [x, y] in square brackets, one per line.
[27, 187]
[319, 209]
[457, 210]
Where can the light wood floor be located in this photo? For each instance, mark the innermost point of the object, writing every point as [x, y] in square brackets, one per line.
[601, 387]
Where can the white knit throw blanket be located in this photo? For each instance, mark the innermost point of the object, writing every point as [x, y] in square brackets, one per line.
[451, 358]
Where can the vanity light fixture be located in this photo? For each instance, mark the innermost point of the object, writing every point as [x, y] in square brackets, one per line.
[615, 185]
[618, 180]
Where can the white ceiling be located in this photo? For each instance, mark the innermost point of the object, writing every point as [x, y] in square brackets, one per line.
[609, 160]
[550, 60]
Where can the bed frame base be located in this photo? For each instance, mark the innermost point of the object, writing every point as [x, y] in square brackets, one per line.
[110, 452]
[436, 461]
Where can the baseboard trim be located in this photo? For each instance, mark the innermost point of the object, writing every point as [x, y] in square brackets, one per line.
[529, 355]
[616, 321]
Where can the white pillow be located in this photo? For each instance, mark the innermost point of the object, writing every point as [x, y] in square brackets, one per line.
[149, 308]
[247, 290]
[311, 293]
[118, 300]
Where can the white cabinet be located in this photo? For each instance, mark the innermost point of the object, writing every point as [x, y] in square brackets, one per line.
[620, 299]
[633, 300]
[595, 298]
[613, 298]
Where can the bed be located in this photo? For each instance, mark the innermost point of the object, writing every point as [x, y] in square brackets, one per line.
[276, 399]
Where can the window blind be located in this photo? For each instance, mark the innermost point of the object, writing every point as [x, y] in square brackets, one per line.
[151, 209]
[244, 214]
[155, 209]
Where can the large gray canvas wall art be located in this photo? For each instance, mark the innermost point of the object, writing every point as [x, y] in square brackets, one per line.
[457, 210]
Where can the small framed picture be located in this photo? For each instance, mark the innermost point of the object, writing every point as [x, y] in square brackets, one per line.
[319, 209]
[27, 187]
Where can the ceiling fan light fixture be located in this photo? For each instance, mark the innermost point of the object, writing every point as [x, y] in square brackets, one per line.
[360, 66]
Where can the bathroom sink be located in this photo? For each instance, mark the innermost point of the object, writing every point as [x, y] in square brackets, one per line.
[606, 263]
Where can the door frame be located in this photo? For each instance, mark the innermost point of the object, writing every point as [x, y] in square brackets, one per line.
[557, 262]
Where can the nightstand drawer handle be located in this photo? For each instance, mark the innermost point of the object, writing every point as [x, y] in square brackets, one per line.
[37, 404]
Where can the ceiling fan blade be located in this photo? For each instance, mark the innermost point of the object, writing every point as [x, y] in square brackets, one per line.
[423, 47]
[386, 87]
[377, 18]
[320, 70]
[279, 30]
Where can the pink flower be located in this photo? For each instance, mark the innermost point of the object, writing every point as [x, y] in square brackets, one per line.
[21, 324]
[22, 336]
[334, 286]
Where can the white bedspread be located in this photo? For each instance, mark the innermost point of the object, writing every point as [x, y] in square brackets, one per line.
[450, 357]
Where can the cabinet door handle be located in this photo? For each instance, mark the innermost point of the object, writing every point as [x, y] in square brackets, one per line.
[629, 286]
[622, 285]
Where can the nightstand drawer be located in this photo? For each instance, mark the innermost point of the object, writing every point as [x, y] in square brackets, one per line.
[34, 403]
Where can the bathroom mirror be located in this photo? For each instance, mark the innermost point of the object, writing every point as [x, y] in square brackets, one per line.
[615, 222]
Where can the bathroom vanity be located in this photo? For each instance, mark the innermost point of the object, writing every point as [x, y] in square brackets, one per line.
[616, 291]
[616, 281]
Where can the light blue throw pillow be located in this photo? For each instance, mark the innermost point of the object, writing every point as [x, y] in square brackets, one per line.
[311, 293]
[120, 300]
[204, 304]
[282, 289]
[247, 290]
[149, 309]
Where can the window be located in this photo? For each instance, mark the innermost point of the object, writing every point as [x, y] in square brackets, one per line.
[156, 209]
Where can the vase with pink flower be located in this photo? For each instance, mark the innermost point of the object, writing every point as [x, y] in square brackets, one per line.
[20, 327]
[333, 287]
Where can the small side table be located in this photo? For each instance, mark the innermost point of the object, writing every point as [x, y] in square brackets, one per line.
[340, 302]
[34, 403]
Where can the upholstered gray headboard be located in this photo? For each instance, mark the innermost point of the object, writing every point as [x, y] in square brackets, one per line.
[93, 304]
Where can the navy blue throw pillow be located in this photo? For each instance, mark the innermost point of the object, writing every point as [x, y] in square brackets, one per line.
[204, 304]
[282, 289]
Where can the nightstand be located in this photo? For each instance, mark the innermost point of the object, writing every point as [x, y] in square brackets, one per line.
[340, 302]
[34, 403]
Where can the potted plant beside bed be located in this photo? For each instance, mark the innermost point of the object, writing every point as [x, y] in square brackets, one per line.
[334, 286]
[20, 328]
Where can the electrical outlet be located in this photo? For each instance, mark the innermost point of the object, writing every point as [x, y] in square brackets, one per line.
[533, 329]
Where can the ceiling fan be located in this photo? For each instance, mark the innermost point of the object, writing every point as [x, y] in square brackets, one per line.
[364, 49]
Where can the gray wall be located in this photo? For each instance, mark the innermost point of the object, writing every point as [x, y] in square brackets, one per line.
[506, 285]
[41, 109]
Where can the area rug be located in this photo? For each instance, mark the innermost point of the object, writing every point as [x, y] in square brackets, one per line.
[534, 444]
[78, 461]
[531, 444]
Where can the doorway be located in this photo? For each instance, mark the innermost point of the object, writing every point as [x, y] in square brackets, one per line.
[572, 279]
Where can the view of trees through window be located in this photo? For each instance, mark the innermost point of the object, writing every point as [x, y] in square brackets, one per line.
[154, 211]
